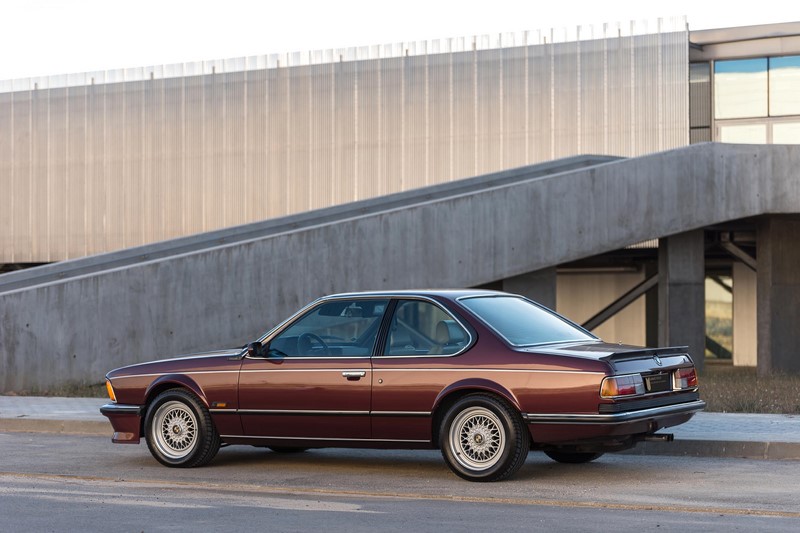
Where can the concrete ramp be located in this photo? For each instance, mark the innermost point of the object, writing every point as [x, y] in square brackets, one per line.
[76, 320]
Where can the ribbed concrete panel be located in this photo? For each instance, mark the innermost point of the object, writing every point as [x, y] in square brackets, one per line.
[104, 161]
[7, 192]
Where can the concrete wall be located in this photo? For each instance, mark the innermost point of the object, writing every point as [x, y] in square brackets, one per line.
[77, 329]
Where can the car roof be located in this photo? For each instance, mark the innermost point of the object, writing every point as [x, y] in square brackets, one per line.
[446, 293]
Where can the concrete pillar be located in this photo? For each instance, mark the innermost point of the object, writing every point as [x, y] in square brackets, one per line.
[744, 315]
[681, 293]
[539, 286]
[778, 289]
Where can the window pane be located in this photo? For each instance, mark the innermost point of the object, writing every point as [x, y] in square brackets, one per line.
[521, 323]
[784, 85]
[333, 329]
[786, 133]
[740, 88]
[422, 328]
[744, 134]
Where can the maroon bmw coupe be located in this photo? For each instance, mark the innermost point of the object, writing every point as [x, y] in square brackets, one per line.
[484, 376]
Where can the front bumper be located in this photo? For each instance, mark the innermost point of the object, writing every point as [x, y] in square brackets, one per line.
[126, 421]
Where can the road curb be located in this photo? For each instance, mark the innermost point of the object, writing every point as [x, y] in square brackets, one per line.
[777, 451]
[72, 427]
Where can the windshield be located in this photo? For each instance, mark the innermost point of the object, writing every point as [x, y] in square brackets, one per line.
[523, 323]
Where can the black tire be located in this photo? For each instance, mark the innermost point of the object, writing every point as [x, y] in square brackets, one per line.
[572, 457]
[179, 430]
[483, 439]
[286, 449]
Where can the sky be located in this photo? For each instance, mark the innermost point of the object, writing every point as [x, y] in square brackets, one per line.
[47, 37]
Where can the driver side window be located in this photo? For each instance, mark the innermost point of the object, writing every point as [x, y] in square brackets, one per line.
[339, 328]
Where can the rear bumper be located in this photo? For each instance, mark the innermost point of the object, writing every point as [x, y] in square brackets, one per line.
[616, 418]
[555, 428]
[126, 421]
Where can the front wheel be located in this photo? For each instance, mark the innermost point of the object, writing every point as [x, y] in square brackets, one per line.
[179, 430]
[483, 439]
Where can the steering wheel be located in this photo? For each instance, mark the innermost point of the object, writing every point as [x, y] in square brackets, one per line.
[305, 344]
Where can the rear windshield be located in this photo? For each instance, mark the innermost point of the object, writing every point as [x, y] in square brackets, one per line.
[522, 323]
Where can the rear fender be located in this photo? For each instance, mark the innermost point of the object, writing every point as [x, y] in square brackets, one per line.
[476, 385]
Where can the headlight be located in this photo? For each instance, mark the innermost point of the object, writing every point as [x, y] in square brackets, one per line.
[616, 386]
[110, 390]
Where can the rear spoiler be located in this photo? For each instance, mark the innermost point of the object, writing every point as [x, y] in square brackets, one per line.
[644, 353]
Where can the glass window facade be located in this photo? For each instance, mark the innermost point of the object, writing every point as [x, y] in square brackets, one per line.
[744, 134]
[740, 88]
[784, 86]
[755, 100]
[786, 133]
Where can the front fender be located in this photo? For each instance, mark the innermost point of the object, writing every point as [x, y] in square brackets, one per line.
[169, 381]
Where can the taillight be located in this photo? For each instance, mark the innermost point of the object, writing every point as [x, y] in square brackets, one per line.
[616, 386]
[684, 378]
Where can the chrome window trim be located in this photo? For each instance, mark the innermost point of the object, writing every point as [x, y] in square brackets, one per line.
[387, 296]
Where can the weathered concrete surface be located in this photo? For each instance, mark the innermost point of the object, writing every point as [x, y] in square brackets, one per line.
[77, 329]
[778, 295]
[681, 293]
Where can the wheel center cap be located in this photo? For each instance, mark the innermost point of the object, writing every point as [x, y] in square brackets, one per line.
[478, 438]
[176, 429]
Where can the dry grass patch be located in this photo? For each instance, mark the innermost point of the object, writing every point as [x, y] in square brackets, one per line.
[730, 389]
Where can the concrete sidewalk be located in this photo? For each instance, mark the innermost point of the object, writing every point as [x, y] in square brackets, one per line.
[706, 435]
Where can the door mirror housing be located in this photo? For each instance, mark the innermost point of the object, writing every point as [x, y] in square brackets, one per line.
[255, 349]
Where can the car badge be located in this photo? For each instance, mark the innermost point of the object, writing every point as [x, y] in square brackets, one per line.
[657, 359]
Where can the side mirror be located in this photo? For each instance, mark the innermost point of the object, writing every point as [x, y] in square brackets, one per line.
[255, 349]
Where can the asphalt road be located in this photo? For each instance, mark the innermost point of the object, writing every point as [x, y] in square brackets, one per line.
[60, 482]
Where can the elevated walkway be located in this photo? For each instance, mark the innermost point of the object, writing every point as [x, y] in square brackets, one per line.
[80, 318]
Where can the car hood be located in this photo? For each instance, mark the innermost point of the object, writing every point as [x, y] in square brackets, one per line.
[175, 363]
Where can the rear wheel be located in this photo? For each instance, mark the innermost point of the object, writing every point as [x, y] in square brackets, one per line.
[572, 457]
[483, 439]
[179, 430]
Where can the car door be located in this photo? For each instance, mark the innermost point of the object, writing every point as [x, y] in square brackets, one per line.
[416, 363]
[314, 379]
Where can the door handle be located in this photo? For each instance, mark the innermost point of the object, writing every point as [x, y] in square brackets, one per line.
[354, 375]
